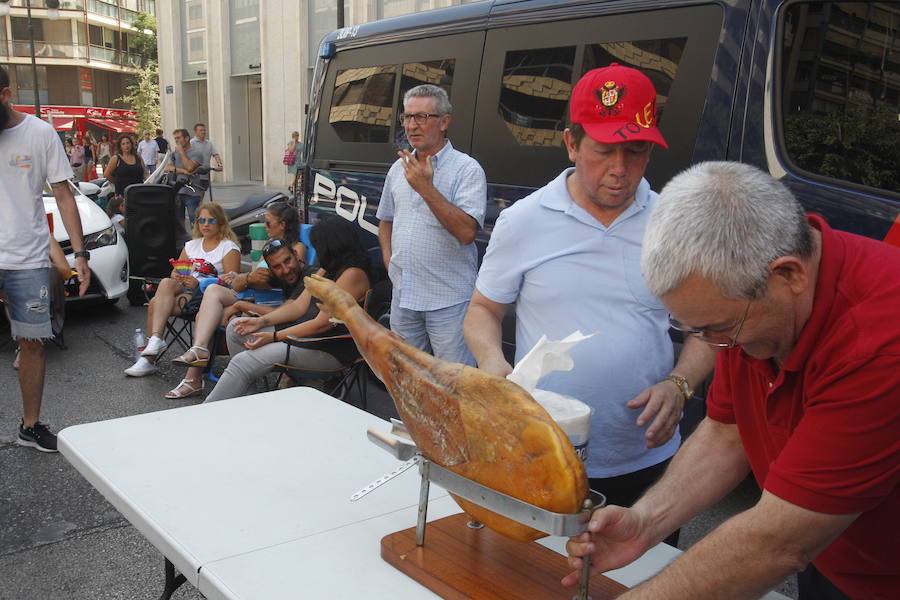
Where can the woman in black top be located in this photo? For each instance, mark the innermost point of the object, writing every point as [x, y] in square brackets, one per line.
[126, 167]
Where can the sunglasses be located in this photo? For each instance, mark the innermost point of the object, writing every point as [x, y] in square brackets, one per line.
[273, 246]
[204, 220]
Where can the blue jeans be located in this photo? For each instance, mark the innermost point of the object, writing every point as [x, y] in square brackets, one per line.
[189, 204]
[27, 294]
[439, 332]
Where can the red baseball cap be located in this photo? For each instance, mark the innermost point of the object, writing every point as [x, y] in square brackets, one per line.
[616, 104]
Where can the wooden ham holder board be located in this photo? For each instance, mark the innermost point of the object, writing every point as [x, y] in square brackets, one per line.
[459, 563]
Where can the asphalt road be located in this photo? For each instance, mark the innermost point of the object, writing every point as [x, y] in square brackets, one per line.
[59, 539]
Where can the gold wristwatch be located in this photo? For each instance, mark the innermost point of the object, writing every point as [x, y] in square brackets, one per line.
[682, 384]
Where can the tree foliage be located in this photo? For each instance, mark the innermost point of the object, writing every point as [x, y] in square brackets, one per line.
[143, 96]
[858, 145]
[145, 43]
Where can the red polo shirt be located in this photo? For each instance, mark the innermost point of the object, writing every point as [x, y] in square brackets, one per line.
[824, 432]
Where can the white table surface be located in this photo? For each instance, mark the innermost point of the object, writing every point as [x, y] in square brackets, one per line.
[210, 481]
[250, 497]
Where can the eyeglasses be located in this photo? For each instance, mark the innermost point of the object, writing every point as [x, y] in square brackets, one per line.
[204, 220]
[273, 246]
[713, 338]
[419, 118]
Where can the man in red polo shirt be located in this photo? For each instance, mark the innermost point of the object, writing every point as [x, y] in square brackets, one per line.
[806, 395]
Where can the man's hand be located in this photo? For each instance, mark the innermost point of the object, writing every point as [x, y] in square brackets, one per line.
[258, 340]
[613, 541]
[499, 367]
[247, 325]
[419, 174]
[84, 274]
[259, 278]
[664, 401]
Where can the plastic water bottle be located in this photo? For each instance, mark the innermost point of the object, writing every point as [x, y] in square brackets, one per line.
[138, 343]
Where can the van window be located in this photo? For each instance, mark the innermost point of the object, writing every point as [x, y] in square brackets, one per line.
[840, 91]
[362, 104]
[535, 90]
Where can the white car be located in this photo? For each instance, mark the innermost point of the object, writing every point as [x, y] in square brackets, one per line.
[109, 254]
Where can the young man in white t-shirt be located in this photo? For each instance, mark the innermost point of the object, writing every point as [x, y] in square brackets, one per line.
[30, 155]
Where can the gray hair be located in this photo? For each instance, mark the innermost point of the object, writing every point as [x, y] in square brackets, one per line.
[426, 90]
[724, 221]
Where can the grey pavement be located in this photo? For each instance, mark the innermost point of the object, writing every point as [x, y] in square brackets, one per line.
[59, 538]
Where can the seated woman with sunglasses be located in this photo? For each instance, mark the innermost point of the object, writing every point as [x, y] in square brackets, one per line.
[343, 261]
[215, 243]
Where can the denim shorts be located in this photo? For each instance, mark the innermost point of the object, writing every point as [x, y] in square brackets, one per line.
[27, 293]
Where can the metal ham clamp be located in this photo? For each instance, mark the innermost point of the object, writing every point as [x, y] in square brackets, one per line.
[551, 523]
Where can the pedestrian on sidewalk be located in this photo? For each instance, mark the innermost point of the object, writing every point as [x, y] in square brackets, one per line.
[32, 154]
[209, 152]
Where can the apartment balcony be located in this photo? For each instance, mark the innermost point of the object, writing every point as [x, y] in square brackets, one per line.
[126, 11]
[79, 54]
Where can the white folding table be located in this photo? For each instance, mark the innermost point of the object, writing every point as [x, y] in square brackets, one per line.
[250, 497]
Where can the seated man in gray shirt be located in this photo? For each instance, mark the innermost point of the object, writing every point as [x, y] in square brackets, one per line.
[185, 160]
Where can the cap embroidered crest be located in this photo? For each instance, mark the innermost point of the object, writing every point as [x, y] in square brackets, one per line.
[610, 94]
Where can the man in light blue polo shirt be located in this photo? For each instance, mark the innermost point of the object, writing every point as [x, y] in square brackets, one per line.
[568, 256]
[432, 205]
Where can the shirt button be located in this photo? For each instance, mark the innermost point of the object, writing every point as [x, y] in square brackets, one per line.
[770, 384]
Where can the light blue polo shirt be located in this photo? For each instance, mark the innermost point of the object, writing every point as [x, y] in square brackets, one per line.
[566, 271]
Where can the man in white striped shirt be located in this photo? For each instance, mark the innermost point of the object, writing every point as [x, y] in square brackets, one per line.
[431, 208]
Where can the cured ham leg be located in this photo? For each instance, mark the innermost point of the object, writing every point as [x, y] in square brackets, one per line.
[478, 425]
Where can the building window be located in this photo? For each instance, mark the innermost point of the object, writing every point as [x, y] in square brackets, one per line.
[840, 91]
[25, 84]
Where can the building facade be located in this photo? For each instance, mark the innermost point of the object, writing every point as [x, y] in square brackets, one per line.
[84, 57]
[243, 68]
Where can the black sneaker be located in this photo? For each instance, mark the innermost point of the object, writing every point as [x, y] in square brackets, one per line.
[37, 436]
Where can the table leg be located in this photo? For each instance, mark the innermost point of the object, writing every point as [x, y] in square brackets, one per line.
[172, 582]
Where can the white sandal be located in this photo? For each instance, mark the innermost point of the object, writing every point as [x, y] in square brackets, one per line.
[175, 394]
[183, 360]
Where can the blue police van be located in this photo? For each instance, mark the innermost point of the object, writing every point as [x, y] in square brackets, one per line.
[807, 91]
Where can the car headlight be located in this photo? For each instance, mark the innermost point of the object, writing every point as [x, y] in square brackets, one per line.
[107, 237]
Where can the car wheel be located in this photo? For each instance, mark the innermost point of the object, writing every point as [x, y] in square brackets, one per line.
[136, 295]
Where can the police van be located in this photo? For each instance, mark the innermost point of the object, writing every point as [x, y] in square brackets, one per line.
[807, 91]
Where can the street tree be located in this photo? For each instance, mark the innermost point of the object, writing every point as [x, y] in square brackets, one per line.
[143, 96]
[144, 41]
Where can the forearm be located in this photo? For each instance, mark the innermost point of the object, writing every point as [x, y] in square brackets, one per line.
[696, 361]
[385, 230]
[308, 329]
[483, 331]
[287, 312]
[68, 211]
[709, 465]
[747, 555]
[460, 225]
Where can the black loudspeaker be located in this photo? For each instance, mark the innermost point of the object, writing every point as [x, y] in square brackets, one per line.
[149, 232]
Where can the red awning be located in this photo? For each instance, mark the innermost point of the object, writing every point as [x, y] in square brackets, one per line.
[117, 125]
[63, 124]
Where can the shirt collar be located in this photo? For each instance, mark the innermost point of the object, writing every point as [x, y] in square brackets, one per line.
[441, 155]
[558, 198]
[830, 265]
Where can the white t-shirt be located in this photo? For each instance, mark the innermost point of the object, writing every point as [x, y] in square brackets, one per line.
[148, 150]
[194, 250]
[30, 154]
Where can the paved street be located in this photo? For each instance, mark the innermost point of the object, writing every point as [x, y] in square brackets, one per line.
[59, 539]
